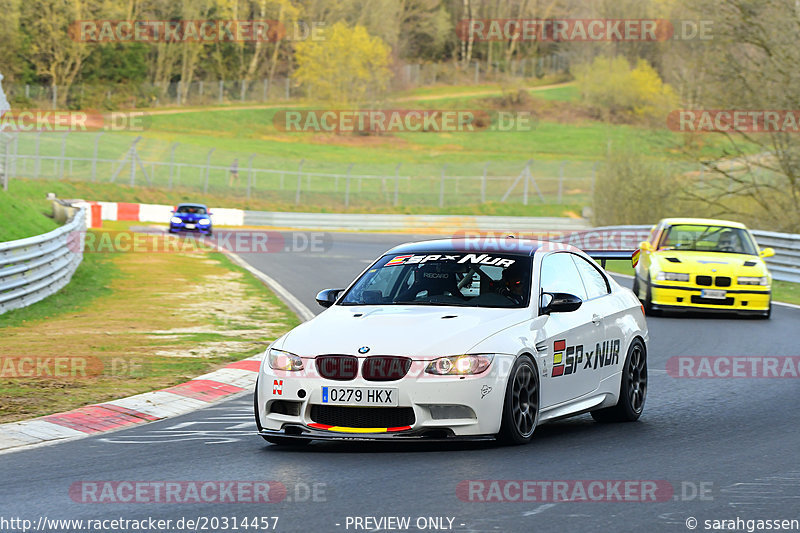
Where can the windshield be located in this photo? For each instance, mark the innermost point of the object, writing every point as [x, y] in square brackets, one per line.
[701, 238]
[446, 278]
[193, 209]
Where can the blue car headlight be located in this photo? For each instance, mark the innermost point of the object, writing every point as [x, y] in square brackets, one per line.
[176, 220]
[204, 221]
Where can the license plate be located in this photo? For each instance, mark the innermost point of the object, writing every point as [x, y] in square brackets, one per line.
[714, 295]
[369, 397]
[190, 226]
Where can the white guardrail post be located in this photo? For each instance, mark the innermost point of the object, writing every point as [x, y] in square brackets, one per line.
[32, 269]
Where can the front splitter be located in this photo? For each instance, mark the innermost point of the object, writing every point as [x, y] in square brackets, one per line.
[306, 433]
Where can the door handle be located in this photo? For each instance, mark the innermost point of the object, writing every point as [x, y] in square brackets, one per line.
[597, 319]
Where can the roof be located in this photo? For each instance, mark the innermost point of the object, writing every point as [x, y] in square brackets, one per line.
[472, 245]
[703, 221]
[189, 204]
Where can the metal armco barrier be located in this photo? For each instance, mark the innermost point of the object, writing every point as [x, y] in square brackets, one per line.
[785, 264]
[380, 222]
[32, 269]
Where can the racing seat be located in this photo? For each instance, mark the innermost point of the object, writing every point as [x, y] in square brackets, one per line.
[429, 278]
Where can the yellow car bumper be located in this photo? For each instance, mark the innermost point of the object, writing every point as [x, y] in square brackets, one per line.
[756, 300]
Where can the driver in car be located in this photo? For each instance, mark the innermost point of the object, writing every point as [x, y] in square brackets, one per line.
[513, 285]
[729, 242]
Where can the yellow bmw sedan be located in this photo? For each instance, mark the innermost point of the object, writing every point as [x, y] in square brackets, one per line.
[703, 265]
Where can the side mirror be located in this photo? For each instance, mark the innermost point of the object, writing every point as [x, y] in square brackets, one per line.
[766, 252]
[645, 246]
[558, 302]
[327, 297]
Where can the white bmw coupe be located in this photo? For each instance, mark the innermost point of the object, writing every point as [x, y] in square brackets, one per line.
[459, 339]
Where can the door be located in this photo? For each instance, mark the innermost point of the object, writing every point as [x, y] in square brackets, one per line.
[569, 337]
[605, 355]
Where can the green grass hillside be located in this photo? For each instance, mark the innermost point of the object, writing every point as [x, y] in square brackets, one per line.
[23, 216]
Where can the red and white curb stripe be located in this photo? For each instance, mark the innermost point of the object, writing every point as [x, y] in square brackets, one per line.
[148, 407]
[158, 213]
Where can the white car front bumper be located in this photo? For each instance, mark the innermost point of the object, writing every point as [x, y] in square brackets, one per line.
[290, 404]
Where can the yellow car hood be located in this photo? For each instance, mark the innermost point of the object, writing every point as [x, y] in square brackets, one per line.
[709, 262]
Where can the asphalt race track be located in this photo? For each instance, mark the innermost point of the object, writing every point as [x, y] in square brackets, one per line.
[728, 447]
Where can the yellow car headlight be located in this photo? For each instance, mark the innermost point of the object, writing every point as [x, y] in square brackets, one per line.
[752, 280]
[672, 276]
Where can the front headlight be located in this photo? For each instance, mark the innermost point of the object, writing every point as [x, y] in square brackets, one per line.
[751, 280]
[279, 360]
[176, 220]
[459, 365]
[204, 221]
[672, 276]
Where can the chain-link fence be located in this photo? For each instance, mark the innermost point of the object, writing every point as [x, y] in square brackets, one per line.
[219, 92]
[136, 161]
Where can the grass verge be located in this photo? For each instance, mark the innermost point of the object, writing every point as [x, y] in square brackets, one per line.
[134, 322]
[24, 216]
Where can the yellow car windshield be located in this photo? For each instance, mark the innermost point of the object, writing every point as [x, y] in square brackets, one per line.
[702, 238]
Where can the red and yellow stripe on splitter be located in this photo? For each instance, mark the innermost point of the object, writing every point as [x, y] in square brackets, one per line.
[343, 429]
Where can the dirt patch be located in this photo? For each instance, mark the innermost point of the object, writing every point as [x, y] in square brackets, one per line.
[170, 317]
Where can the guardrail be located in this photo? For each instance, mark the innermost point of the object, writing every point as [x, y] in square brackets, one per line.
[387, 222]
[36, 267]
[784, 265]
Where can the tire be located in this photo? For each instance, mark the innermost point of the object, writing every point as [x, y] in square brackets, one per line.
[768, 313]
[635, 287]
[648, 300]
[632, 389]
[521, 405]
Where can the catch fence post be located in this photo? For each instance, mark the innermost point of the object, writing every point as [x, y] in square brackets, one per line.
[208, 168]
[441, 187]
[299, 182]
[250, 174]
[172, 161]
[94, 158]
[396, 184]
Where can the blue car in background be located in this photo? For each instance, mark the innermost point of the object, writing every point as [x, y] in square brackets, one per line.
[191, 217]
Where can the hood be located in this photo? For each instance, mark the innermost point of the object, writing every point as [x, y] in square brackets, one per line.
[419, 332]
[712, 263]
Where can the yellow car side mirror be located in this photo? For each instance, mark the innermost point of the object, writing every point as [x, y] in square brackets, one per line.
[646, 246]
[766, 252]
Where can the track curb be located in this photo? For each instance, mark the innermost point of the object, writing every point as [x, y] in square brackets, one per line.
[232, 379]
[202, 391]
